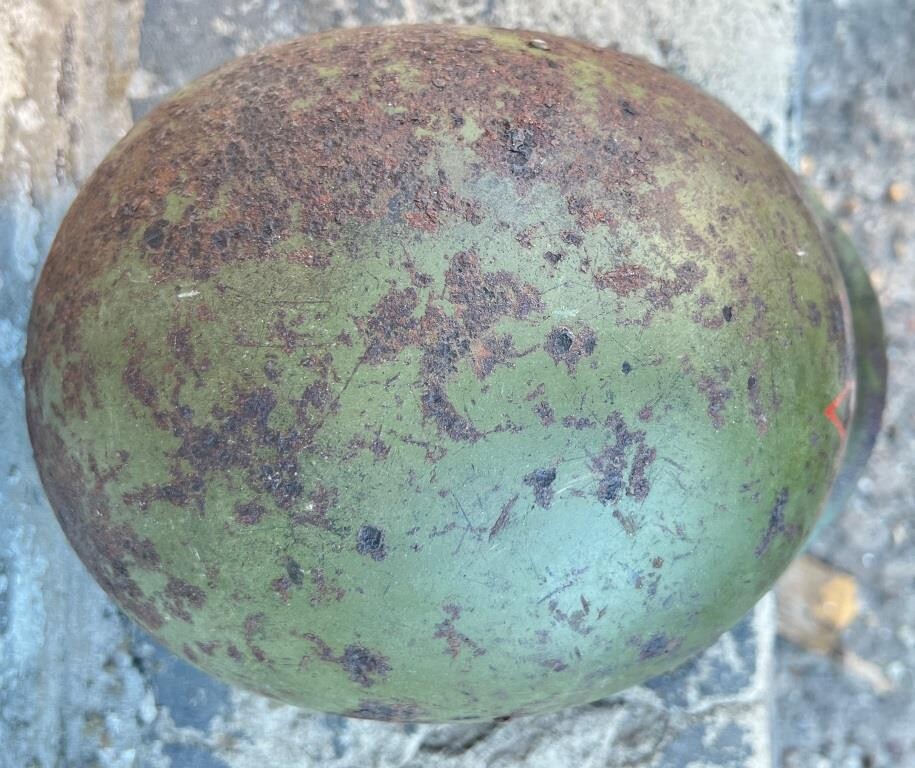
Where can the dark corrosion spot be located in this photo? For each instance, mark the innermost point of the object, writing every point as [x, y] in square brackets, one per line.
[390, 711]
[364, 666]
[521, 144]
[566, 346]
[321, 501]
[717, 395]
[256, 406]
[180, 596]
[561, 340]
[325, 588]
[455, 641]
[541, 481]
[137, 384]
[437, 406]
[154, 235]
[638, 483]
[282, 586]
[295, 572]
[281, 481]
[572, 238]
[611, 463]
[390, 326]
[578, 422]
[624, 279]
[626, 367]
[658, 645]
[370, 541]
[611, 487]
[814, 314]
[727, 313]
[504, 517]
[249, 513]
[254, 623]
[543, 410]
[777, 524]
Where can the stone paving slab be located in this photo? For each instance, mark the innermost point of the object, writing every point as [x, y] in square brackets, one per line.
[859, 137]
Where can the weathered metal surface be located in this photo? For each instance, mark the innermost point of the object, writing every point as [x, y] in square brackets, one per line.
[434, 374]
[870, 366]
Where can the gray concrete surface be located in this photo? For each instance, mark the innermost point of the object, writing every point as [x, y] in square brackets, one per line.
[80, 686]
[859, 142]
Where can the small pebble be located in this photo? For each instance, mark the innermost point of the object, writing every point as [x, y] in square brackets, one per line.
[850, 206]
[807, 165]
[896, 671]
[878, 279]
[897, 192]
[148, 711]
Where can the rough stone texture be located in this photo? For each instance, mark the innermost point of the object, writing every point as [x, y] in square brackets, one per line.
[80, 687]
[711, 712]
[859, 138]
[68, 691]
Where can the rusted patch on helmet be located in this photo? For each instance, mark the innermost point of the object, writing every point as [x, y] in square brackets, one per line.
[364, 666]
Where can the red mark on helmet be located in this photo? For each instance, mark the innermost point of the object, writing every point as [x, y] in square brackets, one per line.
[831, 410]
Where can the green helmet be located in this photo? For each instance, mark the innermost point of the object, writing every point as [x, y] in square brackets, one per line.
[430, 373]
